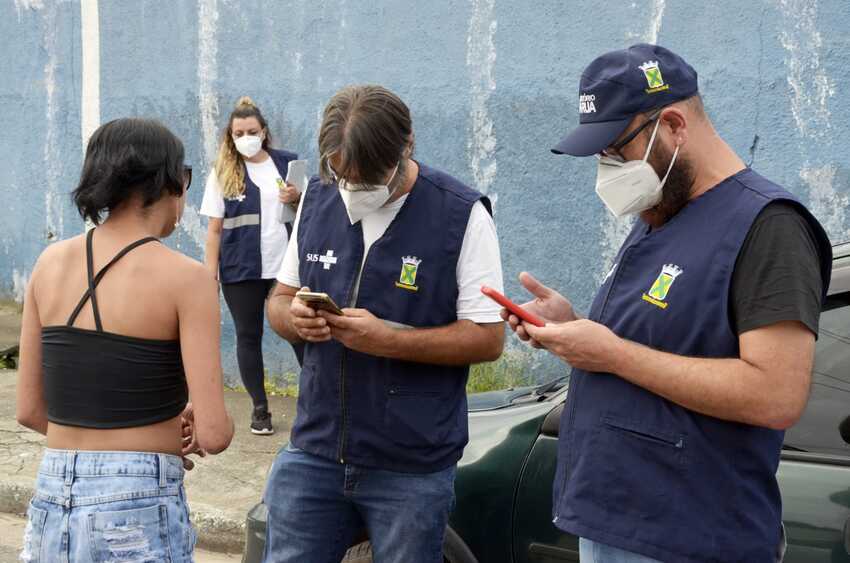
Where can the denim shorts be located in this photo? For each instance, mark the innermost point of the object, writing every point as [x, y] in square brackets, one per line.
[108, 506]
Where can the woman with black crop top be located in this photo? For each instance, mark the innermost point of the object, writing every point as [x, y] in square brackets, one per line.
[118, 333]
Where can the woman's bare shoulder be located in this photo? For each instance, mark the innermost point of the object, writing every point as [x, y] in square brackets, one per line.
[180, 268]
[56, 257]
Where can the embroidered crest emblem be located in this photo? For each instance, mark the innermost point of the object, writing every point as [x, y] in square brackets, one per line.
[653, 77]
[661, 287]
[409, 269]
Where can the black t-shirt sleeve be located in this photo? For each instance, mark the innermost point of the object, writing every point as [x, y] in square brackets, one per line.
[777, 275]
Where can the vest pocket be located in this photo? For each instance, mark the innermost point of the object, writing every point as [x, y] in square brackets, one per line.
[642, 473]
[418, 418]
[230, 260]
[652, 436]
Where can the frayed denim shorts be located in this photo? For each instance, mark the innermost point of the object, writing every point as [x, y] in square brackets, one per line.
[108, 506]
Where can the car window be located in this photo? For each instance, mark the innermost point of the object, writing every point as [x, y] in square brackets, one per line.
[829, 401]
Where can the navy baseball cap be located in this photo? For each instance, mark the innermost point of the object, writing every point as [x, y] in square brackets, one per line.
[620, 84]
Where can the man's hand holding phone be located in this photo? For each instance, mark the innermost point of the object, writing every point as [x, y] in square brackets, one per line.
[309, 326]
[548, 304]
[360, 330]
[317, 318]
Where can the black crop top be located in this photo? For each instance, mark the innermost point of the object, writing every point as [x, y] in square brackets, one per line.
[97, 379]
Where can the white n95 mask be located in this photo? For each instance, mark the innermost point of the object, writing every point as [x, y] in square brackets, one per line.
[248, 145]
[632, 186]
[362, 199]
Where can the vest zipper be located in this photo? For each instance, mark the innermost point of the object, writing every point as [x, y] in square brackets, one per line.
[342, 430]
[260, 225]
[341, 452]
[348, 303]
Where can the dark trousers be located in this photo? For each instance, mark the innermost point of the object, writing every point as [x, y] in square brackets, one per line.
[246, 301]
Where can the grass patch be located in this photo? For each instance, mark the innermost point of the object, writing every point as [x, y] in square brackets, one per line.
[513, 369]
[277, 385]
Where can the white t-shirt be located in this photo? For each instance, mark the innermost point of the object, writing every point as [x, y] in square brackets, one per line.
[273, 237]
[479, 262]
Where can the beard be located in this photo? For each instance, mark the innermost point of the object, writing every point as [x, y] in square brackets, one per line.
[677, 189]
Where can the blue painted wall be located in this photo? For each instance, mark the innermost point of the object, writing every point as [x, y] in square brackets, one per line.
[492, 84]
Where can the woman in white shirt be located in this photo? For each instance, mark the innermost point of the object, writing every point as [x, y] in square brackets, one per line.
[246, 238]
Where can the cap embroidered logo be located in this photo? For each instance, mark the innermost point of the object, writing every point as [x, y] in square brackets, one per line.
[653, 77]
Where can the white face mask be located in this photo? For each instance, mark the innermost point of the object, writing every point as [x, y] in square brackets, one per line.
[365, 199]
[248, 145]
[632, 186]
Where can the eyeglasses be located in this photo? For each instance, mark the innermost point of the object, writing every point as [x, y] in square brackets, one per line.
[356, 186]
[187, 177]
[614, 150]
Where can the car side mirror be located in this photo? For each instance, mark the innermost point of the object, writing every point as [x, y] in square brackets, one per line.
[844, 429]
[552, 422]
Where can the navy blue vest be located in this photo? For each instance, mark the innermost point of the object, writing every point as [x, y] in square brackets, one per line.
[240, 256]
[637, 471]
[367, 410]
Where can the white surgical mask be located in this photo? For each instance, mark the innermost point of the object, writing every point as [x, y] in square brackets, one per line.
[365, 199]
[632, 186]
[248, 145]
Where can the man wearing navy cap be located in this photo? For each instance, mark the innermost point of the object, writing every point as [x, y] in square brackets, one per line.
[697, 351]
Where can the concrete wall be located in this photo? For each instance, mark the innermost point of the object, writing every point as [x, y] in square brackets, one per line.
[492, 85]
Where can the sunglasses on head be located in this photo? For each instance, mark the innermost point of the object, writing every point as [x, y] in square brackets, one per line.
[187, 177]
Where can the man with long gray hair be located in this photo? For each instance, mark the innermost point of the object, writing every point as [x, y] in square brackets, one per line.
[382, 415]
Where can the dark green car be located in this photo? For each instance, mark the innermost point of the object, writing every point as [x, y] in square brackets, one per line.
[504, 481]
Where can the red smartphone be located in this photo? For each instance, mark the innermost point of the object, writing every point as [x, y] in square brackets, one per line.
[511, 306]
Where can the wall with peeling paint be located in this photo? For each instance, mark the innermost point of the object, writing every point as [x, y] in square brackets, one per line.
[492, 84]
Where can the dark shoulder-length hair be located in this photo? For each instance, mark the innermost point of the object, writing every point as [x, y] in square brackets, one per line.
[125, 159]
